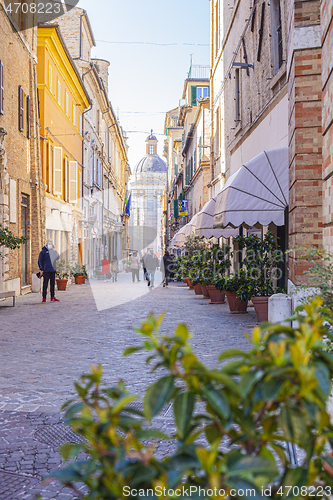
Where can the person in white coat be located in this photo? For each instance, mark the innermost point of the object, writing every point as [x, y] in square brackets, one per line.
[135, 266]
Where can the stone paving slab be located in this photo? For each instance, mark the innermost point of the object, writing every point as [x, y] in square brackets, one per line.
[45, 347]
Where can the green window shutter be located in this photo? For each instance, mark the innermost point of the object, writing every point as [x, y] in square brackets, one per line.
[183, 140]
[175, 209]
[193, 96]
[176, 166]
[208, 91]
[195, 160]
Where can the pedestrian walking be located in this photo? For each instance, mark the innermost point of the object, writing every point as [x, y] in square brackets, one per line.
[115, 268]
[145, 274]
[47, 263]
[105, 268]
[135, 267]
[168, 268]
[151, 264]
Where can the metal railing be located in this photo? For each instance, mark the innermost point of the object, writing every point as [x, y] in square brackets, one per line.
[199, 72]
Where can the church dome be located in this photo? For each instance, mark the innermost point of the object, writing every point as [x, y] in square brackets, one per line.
[151, 163]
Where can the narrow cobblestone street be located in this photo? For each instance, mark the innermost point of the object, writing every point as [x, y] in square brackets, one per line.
[45, 347]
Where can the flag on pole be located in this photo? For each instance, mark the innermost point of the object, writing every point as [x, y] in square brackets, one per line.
[128, 205]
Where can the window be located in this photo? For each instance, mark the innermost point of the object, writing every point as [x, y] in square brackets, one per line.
[50, 78]
[73, 174]
[198, 93]
[74, 114]
[2, 89]
[202, 92]
[195, 160]
[28, 117]
[59, 92]
[57, 171]
[277, 47]
[66, 103]
[21, 109]
[176, 168]
[237, 95]
[151, 149]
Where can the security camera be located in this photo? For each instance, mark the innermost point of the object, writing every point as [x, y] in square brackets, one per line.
[36, 184]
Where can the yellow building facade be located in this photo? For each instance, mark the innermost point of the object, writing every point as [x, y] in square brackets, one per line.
[62, 102]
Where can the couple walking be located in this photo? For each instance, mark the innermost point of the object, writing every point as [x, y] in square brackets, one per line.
[150, 263]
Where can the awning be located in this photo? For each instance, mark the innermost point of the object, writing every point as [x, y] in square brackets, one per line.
[179, 239]
[205, 223]
[257, 193]
[190, 227]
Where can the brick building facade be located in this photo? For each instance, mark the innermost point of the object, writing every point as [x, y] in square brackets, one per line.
[327, 120]
[21, 185]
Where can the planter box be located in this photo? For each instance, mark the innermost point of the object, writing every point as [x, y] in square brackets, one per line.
[197, 289]
[79, 280]
[236, 306]
[61, 284]
[216, 296]
[190, 284]
[205, 292]
[261, 308]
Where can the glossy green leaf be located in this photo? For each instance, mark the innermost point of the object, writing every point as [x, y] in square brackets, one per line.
[217, 401]
[248, 380]
[271, 389]
[183, 410]
[157, 395]
[231, 353]
[131, 350]
[292, 424]
[122, 402]
[254, 465]
[70, 450]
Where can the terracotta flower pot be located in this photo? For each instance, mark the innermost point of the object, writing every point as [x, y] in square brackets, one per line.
[79, 280]
[61, 284]
[205, 291]
[261, 308]
[216, 296]
[236, 306]
[197, 289]
[190, 284]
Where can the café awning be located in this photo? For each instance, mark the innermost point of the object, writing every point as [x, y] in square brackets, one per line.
[258, 192]
[205, 223]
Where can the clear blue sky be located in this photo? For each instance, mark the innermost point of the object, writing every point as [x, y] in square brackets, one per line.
[148, 78]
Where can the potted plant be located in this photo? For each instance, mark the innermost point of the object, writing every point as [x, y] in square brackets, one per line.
[216, 289]
[261, 261]
[85, 273]
[238, 290]
[63, 272]
[78, 274]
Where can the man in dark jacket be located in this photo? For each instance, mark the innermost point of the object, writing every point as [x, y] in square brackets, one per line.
[151, 262]
[47, 263]
[168, 268]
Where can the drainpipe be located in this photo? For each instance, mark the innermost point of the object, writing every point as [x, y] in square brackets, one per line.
[81, 31]
[83, 162]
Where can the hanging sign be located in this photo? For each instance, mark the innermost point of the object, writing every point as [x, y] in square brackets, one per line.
[183, 207]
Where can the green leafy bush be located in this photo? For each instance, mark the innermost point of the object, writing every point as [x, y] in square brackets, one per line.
[255, 402]
[320, 273]
[8, 240]
[63, 269]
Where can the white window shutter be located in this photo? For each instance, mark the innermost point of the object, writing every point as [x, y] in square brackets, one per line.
[66, 179]
[72, 181]
[57, 171]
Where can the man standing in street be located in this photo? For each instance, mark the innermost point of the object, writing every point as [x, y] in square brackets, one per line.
[151, 263]
[47, 263]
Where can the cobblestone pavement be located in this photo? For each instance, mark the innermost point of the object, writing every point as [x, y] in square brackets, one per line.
[45, 347]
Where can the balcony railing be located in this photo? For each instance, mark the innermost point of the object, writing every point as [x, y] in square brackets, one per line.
[199, 72]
